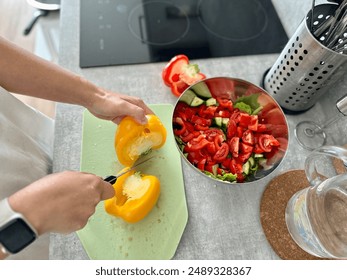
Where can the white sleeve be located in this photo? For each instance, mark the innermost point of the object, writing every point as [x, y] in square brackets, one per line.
[26, 144]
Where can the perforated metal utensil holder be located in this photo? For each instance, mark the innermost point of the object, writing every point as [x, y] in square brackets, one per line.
[305, 67]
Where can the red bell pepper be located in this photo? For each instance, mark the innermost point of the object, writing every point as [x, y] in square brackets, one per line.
[179, 74]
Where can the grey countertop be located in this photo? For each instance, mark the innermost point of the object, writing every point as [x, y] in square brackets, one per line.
[224, 224]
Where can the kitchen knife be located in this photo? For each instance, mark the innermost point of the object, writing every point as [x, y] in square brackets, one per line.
[112, 178]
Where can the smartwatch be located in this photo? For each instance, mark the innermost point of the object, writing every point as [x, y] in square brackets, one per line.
[16, 232]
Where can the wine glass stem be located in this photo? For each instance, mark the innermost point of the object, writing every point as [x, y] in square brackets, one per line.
[311, 132]
[331, 121]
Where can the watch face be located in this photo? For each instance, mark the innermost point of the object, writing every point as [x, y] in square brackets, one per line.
[16, 235]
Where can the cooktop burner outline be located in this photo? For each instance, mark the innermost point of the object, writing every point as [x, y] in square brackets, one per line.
[140, 23]
[120, 32]
[235, 10]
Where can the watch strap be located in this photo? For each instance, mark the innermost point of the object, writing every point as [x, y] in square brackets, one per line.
[6, 211]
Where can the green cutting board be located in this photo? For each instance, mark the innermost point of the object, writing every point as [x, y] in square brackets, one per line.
[157, 236]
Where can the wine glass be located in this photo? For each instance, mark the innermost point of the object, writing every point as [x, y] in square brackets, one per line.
[312, 135]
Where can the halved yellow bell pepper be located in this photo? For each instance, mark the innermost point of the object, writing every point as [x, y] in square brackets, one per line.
[136, 195]
[133, 139]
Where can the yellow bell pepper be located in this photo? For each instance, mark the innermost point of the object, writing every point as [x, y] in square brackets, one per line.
[136, 195]
[133, 139]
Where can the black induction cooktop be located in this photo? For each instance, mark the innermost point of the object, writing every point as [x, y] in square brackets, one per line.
[118, 32]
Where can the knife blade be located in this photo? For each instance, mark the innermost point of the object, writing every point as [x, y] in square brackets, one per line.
[113, 178]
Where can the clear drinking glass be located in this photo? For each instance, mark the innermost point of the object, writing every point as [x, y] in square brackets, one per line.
[316, 216]
[311, 135]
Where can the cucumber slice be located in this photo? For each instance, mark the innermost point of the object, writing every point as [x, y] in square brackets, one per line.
[196, 102]
[215, 169]
[218, 121]
[245, 168]
[251, 161]
[211, 101]
[256, 111]
[202, 90]
[225, 122]
[188, 97]
[258, 155]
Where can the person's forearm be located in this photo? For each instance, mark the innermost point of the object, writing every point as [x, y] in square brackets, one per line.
[24, 73]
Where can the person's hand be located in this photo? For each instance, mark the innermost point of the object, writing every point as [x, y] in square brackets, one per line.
[61, 202]
[114, 107]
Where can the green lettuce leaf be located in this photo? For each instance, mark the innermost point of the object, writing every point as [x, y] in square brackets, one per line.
[248, 104]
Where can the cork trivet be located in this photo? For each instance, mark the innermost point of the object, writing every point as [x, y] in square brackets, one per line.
[339, 166]
[272, 214]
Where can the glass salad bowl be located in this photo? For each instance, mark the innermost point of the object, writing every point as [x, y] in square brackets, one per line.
[230, 130]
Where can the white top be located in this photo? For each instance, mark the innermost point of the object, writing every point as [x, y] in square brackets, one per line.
[26, 149]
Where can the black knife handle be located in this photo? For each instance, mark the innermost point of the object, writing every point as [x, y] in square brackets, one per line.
[111, 179]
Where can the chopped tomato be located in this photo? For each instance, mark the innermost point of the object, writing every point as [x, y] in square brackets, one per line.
[231, 128]
[211, 148]
[223, 114]
[201, 164]
[225, 103]
[188, 131]
[245, 148]
[245, 119]
[257, 149]
[181, 107]
[196, 144]
[187, 136]
[180, 126]
[235, 167]
[267, 141]
[218, 140]
[253, 125]
[190, 126]
[248, 137]
[190, 112]
[239, 131]
[261, 127]
[244, 157]
[207, 111]
[226, 163]
[240, 177]
[212, 132]
[235, 115]
[179, 74]
[221, 153]
[277, 152]
[209, 167]
[195, 157]
[234, 146]
[201, 127]
[201, 121]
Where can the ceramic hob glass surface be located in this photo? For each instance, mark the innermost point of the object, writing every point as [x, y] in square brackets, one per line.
[118, 32]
